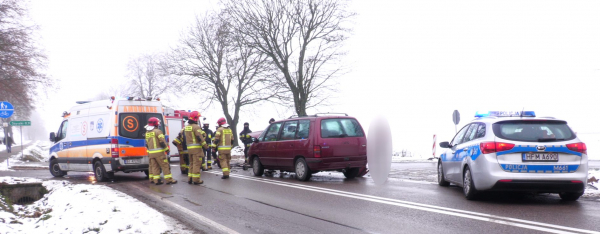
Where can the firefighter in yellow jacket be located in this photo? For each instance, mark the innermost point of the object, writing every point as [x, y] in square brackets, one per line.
[224, 141]
[184, 162]
[157, 146]
[194, 138]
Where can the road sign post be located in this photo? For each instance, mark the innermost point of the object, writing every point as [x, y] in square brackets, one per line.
[455, 119]
[20, 124]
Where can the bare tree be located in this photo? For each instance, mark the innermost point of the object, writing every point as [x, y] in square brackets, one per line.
[222, 67]
[149, 77]
[21, 62]
[302, 39]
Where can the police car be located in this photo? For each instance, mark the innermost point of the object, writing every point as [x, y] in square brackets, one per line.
[515, 151]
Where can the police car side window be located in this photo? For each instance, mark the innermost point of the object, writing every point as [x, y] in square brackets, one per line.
[470, 135]
[459, 137]
[480, 131]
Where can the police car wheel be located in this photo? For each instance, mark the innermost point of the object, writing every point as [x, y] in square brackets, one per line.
[100, 172]
[302, 170]
[570, 196]
[257, 167]
[441, 179]
[468, 186]
[55, 169]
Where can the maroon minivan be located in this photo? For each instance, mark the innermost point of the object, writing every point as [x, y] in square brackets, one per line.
[309, 144]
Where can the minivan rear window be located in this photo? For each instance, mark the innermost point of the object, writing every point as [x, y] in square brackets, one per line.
[334, 128]
[131, 125]
[533, 131]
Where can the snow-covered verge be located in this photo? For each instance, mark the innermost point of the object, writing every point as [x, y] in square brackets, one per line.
[593, 187]
[398, 159]
[35, 155]
[81, 208]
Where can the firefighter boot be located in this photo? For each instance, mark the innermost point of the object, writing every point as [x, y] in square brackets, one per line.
[199, 182]
[190, 181]
[225, 177]
[159, 182]
[172, 182]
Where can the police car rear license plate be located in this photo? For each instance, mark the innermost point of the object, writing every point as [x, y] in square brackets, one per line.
[132, 161]
[540, 157]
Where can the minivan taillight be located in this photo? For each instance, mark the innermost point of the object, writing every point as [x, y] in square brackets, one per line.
[114, 147]
[492, 147]
[317, 151]
[578, 147]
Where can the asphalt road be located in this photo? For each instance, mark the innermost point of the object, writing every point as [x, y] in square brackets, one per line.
[329, 203]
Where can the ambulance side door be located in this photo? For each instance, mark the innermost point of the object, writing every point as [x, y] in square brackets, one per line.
[62, 146]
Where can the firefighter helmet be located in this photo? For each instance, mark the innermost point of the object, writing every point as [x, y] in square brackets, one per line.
[154, 122]
[194, 116]
[221, 121]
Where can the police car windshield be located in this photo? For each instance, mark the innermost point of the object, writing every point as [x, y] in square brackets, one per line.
[533, 131]
[131, 125]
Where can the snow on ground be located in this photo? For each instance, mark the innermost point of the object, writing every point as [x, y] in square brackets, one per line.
[82, 208]
[35, 155]
[411, 159]
[593, 187]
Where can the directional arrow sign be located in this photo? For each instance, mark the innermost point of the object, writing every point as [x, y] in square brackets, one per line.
[20, 123]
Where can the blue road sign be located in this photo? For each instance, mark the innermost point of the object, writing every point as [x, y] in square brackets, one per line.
[6, 109]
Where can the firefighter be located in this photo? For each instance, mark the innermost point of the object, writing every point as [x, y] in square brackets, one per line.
[157, 146]
[208, 152]
[214, 148]
[194, 137]
[247, 140]
[184, 163]
[223, 141]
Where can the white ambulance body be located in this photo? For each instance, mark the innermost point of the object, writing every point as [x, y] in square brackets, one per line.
[104, 137]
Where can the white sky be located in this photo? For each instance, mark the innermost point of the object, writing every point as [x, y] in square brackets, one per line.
[413, 62]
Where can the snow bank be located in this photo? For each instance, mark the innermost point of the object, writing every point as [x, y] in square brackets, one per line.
[81, 208]
[35, 155]
[396, 159]
[593, 187]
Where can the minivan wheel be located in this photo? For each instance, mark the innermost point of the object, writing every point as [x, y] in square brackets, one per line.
[565, 196]
[55, 169]
[351, 173]
[257, 167]
[100, 172]
[441, 179]
[468, 185]
[302, 170]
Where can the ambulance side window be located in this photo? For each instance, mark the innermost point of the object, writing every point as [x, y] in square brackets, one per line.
[62, 132]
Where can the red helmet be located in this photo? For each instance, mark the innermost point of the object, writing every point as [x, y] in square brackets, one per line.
[154, 122]
[194, 116]
[221, 121]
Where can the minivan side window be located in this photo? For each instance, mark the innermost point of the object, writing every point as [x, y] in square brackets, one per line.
[289, 130]
[62, 134]
[303, 129]
[330, 128]
[351, 127]
[272, 132]
[333, 128]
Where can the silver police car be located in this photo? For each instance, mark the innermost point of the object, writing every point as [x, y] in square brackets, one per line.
[515, 151]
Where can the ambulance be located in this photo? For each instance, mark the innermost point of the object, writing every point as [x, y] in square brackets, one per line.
[104, 137]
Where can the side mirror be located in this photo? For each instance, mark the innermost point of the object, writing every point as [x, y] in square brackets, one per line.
[254, 139]
[52, 137]
[444, 144]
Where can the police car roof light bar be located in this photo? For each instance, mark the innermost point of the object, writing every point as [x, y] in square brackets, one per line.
[480, 114]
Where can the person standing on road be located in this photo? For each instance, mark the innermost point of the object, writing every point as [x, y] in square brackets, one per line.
[8, 141]
[214, 147]
[195, 143]
[271, 121]
[247, 140]
[184, 161]
[223, 141]
[157, 146]
[208, 152]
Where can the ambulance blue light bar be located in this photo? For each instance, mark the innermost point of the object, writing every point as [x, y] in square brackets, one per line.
[505, 114]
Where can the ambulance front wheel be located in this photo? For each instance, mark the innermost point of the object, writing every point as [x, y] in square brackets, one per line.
[55, 169]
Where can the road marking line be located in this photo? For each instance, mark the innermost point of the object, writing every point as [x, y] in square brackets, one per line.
[193, 214]
[431, 208]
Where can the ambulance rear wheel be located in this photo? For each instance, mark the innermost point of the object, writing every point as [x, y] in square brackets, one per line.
[55, 169]
[100, 172]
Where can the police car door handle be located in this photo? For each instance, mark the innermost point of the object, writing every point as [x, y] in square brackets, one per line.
[465, 149]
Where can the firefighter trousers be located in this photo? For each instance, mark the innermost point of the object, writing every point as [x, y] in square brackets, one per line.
[208, 161]
[184, 163]
[246, 148]
[195, 164]
[224, 159]
[159, 161]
